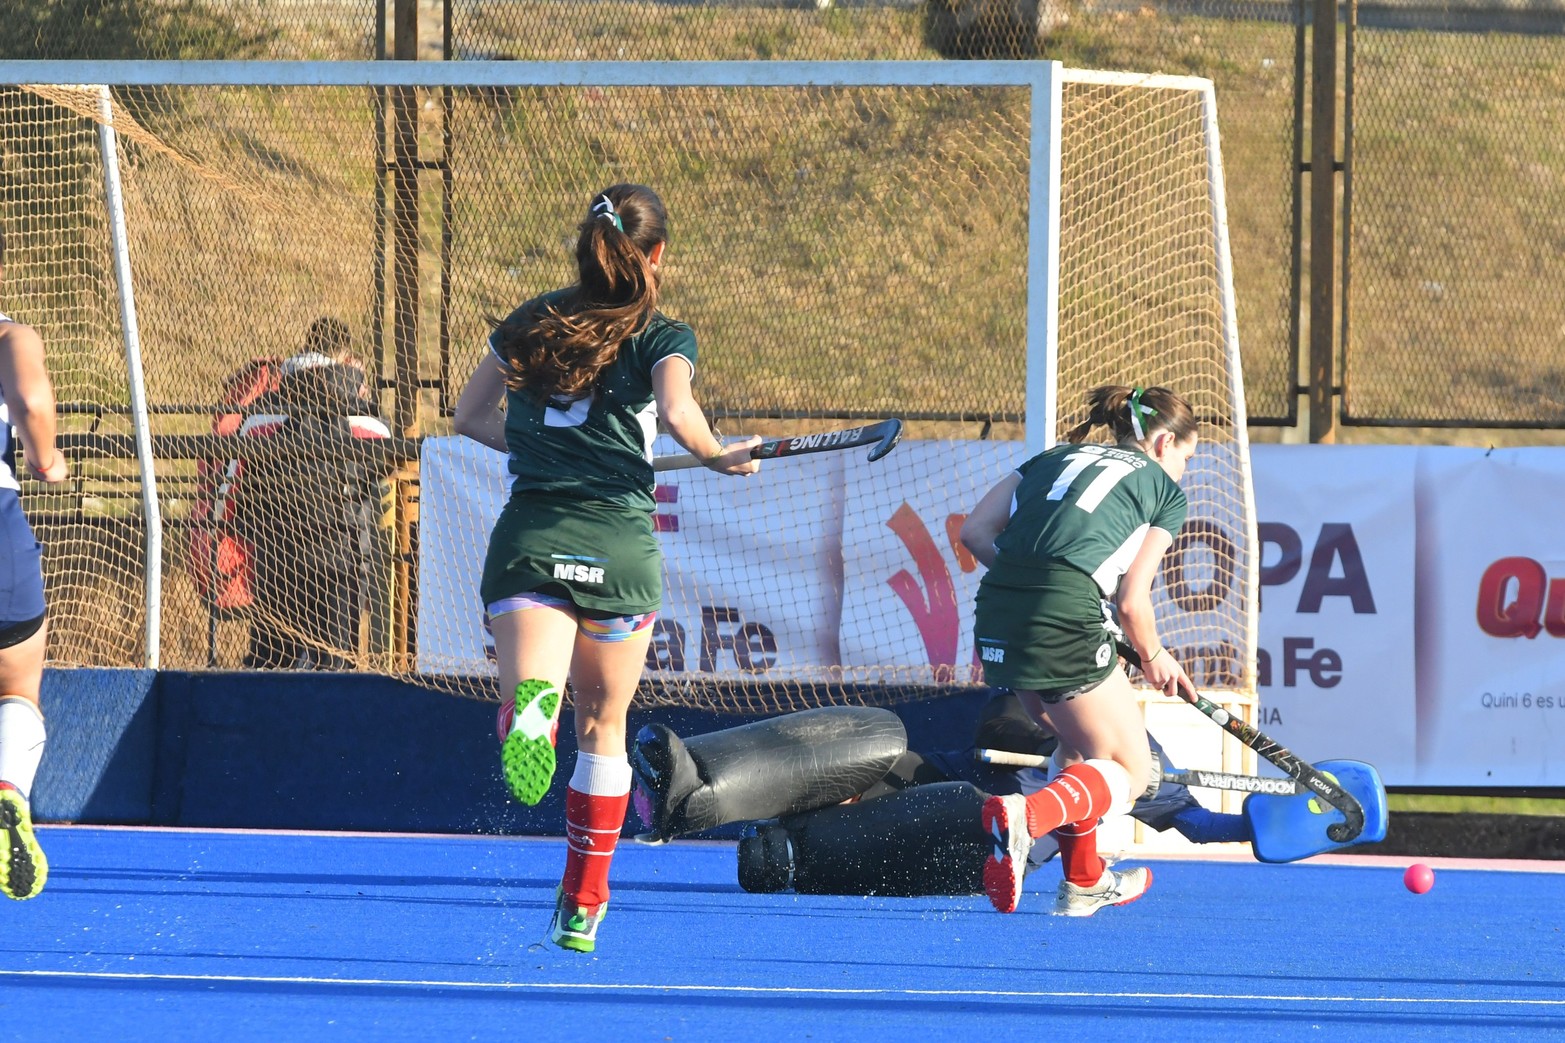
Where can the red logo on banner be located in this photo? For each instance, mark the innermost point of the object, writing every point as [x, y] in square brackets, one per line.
[932, 606]
[1538, 602]
[662, 522]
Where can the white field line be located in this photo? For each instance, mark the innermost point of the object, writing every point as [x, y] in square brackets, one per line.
[756, 990]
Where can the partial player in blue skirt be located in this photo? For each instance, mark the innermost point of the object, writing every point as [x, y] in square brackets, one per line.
[27, 405]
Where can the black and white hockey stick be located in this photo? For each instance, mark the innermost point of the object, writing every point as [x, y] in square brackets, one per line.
[1280, 757]
[1308, 775]
[883, 435]
[1204, 779]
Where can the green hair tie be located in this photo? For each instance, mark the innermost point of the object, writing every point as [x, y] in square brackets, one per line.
[603, 207]
[1139, 412]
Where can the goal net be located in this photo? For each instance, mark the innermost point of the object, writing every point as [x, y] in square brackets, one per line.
[848, 240]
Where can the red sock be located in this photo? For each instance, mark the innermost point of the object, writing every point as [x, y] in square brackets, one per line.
[592, 825]
[1079, 852]
[1080, 793]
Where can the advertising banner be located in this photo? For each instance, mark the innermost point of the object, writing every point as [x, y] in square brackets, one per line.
[462, 486]
[1490, 617]
[753, 568]
[907, 584]
[1336, 659]
[1412, 608]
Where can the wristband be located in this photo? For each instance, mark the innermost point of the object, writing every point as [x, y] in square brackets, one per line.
[1148, 661]
[40, 470]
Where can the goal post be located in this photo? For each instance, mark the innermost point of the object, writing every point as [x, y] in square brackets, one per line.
[135, 382]
[970, 246]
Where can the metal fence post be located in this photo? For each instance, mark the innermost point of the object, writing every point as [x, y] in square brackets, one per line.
[1323, 226]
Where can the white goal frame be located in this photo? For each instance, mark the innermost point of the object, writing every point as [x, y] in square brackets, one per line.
[1042, 79]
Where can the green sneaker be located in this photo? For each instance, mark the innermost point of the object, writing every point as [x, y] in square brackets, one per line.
[527, 755]
[23, 869]
[575, 926]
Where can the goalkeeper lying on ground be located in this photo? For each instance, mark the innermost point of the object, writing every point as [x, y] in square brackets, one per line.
[839, 805]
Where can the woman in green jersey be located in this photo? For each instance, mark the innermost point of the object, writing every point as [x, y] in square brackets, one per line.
[1070, 530]
[573, 578]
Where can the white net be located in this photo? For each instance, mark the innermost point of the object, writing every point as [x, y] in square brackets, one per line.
[842, 252]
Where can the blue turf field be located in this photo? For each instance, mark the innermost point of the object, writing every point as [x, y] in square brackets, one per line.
[236, 936]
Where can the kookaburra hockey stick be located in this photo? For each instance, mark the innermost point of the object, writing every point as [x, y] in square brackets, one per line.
[1223, 780]
[1280, 757]
[1290, 765]
[883, 435]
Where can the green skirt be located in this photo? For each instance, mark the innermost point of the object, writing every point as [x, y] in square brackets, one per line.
[603, 557]
[1047, 635]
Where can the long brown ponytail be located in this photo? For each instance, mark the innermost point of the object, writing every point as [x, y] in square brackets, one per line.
[561, 351]
[1132, 414]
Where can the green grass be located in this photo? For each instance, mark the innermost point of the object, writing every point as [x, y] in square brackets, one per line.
[1402, 803]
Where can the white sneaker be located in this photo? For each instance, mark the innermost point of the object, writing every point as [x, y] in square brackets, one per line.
[1111, 889]
[1005, 820]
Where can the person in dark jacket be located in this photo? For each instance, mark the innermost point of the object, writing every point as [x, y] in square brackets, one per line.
[311, 506]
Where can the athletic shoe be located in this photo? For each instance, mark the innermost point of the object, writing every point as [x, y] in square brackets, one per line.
[1005, 820]
[1111, 889]
[23, 869]
[575, 926]
[528, 752]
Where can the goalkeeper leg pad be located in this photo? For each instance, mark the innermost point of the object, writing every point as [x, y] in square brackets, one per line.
[780, 766]
[927, 840]
[1287, 829]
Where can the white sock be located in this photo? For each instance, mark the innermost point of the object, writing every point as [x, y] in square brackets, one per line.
[601, 776]
[21, 743]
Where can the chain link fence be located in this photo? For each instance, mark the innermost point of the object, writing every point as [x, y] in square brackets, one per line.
[1247, 47]
[1456, 314]
[190, 29]
[1452, 203]
[843, 249]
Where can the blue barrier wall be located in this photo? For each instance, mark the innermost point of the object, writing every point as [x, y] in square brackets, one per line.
[320, 752]
[98, 765]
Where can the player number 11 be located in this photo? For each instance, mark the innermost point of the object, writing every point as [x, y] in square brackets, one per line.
[1112, 470]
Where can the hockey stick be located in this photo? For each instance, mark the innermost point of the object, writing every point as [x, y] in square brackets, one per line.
[1279, 756]
[1305, 775]
[883, 435]
[1291, 766]
[1204, 779]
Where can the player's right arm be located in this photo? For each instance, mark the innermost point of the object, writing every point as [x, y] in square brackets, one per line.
[983, 525]
[478, 412]
[29, 396]
[1137, 619]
